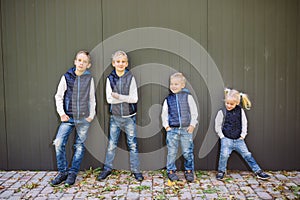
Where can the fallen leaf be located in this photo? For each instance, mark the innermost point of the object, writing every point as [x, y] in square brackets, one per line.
[170, 183]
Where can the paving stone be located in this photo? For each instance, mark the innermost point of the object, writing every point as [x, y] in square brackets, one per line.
[239, 195]
[14, 198]
[281, 177]
[296, 180]
[174, 198]
[251, 196]
[57, 195]
[41, 198]
[6, 194]
[67, 197]
[17, 185]
[81, 195]
[264, 195]
[212, 196]
[236, 176]
[8, 174]
[32, 194]
[252, 181]
[222, 189]
[132, 195]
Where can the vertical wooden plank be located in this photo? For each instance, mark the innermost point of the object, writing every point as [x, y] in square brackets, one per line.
[238, 45]
[265, 82]
[280, 78]
[3, 133]
[291, 87]
[227, 40]
[297, 63]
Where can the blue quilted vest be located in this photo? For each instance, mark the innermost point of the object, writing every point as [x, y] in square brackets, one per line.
[121, 85]
[178, 109]
[76, 98]
[232, 125]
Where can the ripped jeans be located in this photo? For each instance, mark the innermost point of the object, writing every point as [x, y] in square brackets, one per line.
[174, 136]
[128, 125]
[65, 129]
[228, 145]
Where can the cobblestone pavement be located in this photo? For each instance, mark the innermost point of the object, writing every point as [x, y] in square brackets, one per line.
[122, 185]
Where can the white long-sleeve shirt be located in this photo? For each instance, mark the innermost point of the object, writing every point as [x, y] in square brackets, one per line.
[59, 98]
[193, 110]
[132, 97]
[219, 123]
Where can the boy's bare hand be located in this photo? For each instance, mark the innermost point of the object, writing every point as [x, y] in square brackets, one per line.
[64, 118]
[89, 119]
[190, 129]
[115, 95]
[168, 128]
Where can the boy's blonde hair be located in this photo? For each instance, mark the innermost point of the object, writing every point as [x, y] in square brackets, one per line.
[178, 75]
[85, 53]
[117, 54]
[238, 97]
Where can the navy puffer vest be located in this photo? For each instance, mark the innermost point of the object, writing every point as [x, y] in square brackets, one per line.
[178, 109]
[232, 127]
[121, 85]
[76, 99]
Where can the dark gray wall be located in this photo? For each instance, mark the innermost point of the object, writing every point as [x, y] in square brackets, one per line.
[255, 45]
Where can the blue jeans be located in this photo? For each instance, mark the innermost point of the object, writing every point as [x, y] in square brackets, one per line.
[186, 139]
[128, 125]
[239, 145]
[64, 130]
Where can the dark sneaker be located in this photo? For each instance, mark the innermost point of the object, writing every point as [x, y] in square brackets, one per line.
[138, 176]
[172, 176]
[189, 176]
[103, 175]
[262, 175]
[71, 179]
[62, 176]
[220, 175]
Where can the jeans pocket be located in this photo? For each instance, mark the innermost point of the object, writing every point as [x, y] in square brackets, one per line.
[86, 121]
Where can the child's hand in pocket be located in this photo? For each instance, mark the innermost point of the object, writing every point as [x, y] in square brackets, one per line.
[190, 129]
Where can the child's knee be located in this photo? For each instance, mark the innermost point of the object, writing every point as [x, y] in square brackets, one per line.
[58, 143]
[225, 154]
[247, 155]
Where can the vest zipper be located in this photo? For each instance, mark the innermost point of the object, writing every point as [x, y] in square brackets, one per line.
[178, 110]
[120, 87]
[78, 96]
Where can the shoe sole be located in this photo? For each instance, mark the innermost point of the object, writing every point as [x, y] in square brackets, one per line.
[174, 180]
[101, 179]
[190, 181]
[261, 178]
[57, 184]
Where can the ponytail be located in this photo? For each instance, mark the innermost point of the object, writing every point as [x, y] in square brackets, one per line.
[245, 101]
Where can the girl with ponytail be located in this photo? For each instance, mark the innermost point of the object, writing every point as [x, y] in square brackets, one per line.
[231, 127]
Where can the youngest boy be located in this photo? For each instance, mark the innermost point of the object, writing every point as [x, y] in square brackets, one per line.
[179, 118]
